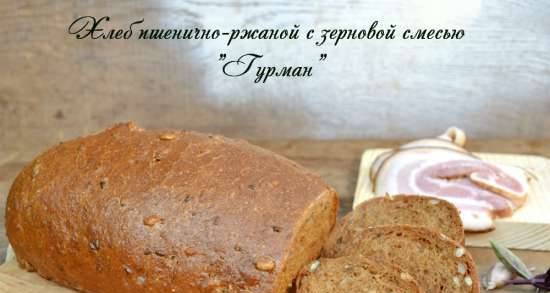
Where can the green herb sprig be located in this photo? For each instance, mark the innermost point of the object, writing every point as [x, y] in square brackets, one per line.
[515, 264]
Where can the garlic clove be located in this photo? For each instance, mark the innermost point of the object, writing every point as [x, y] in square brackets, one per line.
[497, 276]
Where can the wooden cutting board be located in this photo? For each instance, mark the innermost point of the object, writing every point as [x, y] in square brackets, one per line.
[528, 228]
[15, 279]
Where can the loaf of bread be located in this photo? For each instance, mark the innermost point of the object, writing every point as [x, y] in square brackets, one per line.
[439, 264]
[134, 210]
[424, 211]
[354, 274]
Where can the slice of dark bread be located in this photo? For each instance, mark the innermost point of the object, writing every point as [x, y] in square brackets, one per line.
[430, 212]
[355, 274]
[438, 263]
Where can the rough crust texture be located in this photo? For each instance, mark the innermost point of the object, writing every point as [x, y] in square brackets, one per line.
[425, 211]
[133, 210]
[354, 274]
[439, 264]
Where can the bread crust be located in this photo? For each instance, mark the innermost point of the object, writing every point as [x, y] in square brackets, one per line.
[415, 210]
[134, 210]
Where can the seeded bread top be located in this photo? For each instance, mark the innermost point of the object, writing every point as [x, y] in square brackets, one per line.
[129, 209]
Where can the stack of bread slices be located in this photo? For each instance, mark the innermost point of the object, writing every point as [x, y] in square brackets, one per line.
[394, 244]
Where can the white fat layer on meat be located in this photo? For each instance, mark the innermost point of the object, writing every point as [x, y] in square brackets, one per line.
[516, 173]
[428, 142]
[519, 174]
[389, 171]
[460, 202]
[463, 203]
[479, 218]
[476, 214]
[476, 220]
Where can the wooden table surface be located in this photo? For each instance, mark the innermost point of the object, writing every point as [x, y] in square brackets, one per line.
[338, 162]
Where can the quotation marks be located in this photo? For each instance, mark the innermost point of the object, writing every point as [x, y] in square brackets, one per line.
[247, 63]
[223, 56]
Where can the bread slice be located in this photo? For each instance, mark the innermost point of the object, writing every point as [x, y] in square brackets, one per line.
[355, 274]
[429, 212]
[439, 264]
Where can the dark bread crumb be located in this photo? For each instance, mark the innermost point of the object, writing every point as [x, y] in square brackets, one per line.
[439, 264]
[423, 211]
[354, 273]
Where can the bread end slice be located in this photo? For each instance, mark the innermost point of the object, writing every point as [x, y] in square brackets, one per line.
[430, 212]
